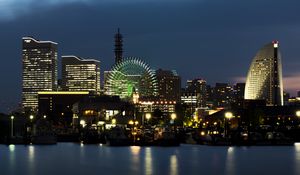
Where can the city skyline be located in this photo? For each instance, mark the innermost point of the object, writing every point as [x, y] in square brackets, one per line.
[168, 42]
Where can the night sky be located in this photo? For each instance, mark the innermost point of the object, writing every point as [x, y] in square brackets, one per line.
[211, 39]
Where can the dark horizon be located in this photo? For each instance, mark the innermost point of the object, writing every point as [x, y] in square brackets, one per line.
[213, 40]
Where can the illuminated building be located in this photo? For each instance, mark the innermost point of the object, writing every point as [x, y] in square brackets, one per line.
[149, 106]
[264, 79]
[239, 91]
[223, 95]
[101, 110]
[194, 95]
[129, 76]
[57, 105]
[39, 60]
[169, 85]
[80, 74]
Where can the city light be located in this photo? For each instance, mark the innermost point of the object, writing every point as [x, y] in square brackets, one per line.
[131, 122]
[173, 116]
[101, 122]
[113, 121]
[228, 115]
[298, 113]
[148, 116]
[82, 123]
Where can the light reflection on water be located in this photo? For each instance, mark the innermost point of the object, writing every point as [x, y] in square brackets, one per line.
[148, 161]
[173, 165]
[230, 163]
[68, 158]
[31, 158]
[297, 158]
[135, 157]
[12, 157]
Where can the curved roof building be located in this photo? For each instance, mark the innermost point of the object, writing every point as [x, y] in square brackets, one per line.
[264, 79]
[131, 75]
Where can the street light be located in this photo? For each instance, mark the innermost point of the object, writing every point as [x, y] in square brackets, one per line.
[82, 123]
[113, 121]
[173, 116]
[31, 117]
[131, 122]
[298, 113]
[136, 122]
[12, 125]
[45, 116]
[228, 116]
[148, 116]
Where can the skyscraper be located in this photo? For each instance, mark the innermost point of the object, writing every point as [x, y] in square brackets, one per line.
[118, 47]
[39, 60]
[169, 85]
[264, 79]
[198, 86]
[222, 95]
[194, 95]
[80, 74]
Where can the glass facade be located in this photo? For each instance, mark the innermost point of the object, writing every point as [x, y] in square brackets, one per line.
[264, 79]
[80, 74]
[39, 60]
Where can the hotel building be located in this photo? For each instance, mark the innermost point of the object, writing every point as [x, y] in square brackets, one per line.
[39, 61]
[80, 74]
[264, 80]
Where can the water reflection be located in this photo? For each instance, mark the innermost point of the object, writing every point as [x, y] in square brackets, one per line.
[31, 154]
[12, 148]
[148, 161]
[173, 165]
[230, 163]
[12, 157]
[135, 152]
[297, 158]
[31, 158]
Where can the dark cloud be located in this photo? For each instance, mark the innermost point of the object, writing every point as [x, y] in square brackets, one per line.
[213, 39]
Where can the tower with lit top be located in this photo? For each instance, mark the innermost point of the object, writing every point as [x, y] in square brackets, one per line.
[118, 47]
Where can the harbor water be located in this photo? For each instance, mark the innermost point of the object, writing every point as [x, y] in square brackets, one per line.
[75, 159]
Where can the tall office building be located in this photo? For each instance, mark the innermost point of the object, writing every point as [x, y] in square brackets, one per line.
[264, 79]
[169, 85]
[39, 60]
[223, 95]
[195, 94]
[80, 74]
[199, 87]
[239, 91]
[118, 47]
